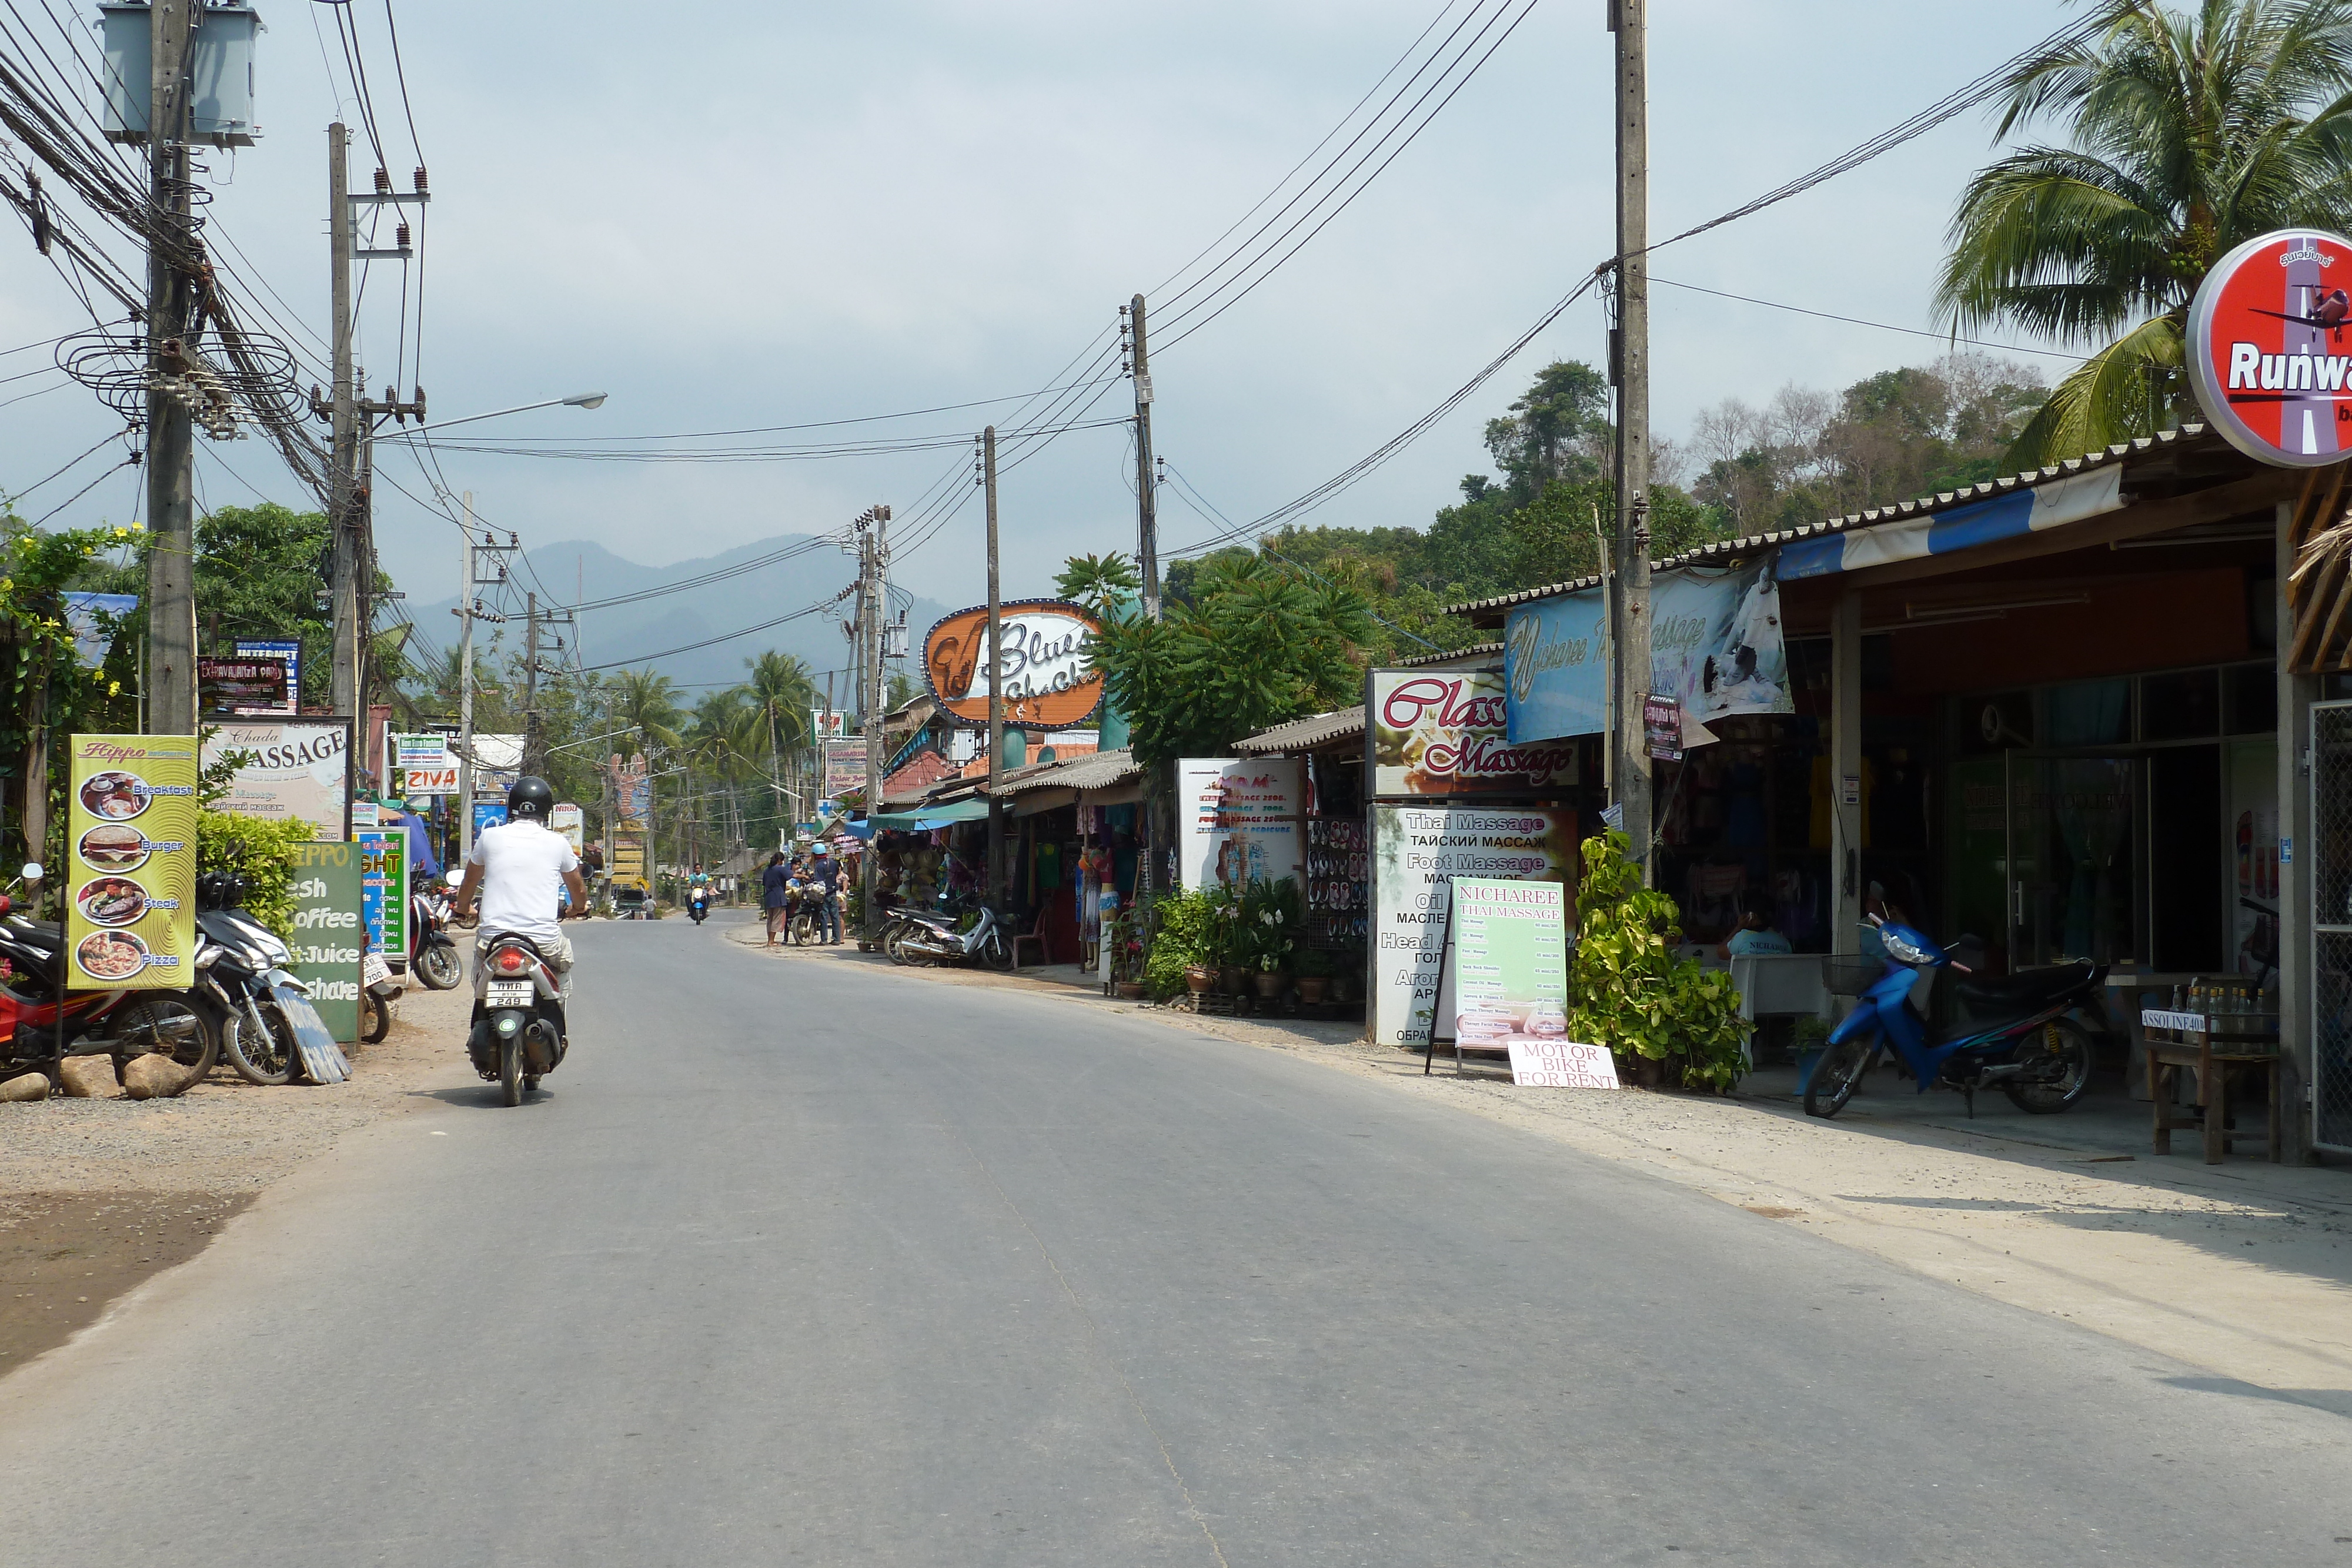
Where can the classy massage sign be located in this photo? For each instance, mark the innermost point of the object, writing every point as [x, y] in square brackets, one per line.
[1047, 685]
[1443, 733]
[2266, 348]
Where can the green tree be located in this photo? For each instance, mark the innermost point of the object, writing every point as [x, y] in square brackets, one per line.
[1098, 582]
[646, 703]
[2186, 132]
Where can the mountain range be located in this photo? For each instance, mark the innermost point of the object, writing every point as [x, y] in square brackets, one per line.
[750, 588]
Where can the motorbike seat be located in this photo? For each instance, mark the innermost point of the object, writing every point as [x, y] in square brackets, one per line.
[2027, 991]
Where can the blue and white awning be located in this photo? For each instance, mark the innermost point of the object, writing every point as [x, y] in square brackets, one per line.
[2021, 512]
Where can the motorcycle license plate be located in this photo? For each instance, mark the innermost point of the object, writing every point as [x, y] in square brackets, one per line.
[511, 994]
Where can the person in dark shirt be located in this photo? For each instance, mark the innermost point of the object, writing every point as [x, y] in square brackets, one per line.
[771, 892]
[827, 876]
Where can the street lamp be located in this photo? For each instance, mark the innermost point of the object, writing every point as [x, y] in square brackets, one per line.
[578, 400]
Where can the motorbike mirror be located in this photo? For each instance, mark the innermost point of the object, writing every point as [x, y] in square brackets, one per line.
[453, 878]
[32, 872]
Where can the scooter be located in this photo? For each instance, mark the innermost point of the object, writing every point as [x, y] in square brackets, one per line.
[698, 908]
[118, 1023]
[261, 1012]
[437, 960]
[923, 937]
[2013, 1033]
[379, 989]
[519, 1033]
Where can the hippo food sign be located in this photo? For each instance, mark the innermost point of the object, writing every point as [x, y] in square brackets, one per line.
[2266, 348]
[1048, 681]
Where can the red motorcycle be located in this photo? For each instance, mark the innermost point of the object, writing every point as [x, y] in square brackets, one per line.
[121, 1024]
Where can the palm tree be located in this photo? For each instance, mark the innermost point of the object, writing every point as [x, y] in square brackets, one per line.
[1098, 582]
[2187, 133]
[648, 702]
[781, 691]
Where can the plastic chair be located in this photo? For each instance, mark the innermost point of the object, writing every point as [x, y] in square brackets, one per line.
[1035, 935]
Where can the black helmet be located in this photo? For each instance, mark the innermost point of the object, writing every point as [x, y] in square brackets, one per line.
[220, 890]
[531, 798]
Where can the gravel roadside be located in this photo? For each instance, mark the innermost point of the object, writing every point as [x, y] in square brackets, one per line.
[97, 1196]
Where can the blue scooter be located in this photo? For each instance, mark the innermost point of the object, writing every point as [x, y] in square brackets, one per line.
[2013, 1033]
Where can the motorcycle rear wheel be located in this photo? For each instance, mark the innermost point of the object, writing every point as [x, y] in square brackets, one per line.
[2070, 1043]
[1839, 1073]
[167, 1025]
[440, 968]
[511, 1068]
[266, 1055]
[375, 1017]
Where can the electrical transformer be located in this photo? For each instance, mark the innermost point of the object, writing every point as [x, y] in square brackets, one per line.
[220, 71]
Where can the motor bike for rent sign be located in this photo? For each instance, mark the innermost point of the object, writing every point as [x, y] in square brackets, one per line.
[1510, 946]
[129, 877]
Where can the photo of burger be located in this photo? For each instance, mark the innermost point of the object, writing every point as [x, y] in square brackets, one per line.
[111, 954]
[117, 797]
[113, 846]
[111, 901]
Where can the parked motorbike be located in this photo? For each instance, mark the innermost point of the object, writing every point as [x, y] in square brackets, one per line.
[433, 951]
[242, 986]
[2013, 1033]
[121, 1024]
[923, 937]
[379, 990]
[518, 1034]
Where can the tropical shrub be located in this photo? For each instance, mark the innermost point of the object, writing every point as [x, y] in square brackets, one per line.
[1629, 992]
[260, 851]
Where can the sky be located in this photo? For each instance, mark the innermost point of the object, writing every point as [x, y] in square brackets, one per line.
[747, 215]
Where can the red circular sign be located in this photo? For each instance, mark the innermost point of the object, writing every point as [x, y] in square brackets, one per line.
[2268, 352]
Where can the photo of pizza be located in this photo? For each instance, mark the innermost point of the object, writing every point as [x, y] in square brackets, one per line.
[117, 797]
[111, 954]
[112, 846]
[111, 901]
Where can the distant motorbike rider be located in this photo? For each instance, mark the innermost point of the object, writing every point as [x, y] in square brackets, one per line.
[522, 870]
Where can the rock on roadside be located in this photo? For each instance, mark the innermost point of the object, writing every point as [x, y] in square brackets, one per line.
[153, 1077]
[25, 1086]
[90, 1078]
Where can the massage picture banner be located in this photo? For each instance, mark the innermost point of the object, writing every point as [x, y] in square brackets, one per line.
[1716, 647]
[1510, 951]
[131, 861]
[1418, 851]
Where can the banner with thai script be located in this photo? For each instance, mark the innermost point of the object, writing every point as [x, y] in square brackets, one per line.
[383, 890]
[1443, 732]
[130, 862]
[1237, 820]
[1716, 646]
[1417, 851]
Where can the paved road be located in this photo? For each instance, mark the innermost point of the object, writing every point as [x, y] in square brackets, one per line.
[798, 1263]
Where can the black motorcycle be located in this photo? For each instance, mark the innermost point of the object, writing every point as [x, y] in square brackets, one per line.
[242, 986]
[433, 952]
[519, 1035]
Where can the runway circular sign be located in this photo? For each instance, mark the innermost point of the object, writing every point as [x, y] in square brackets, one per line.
[2267, 351]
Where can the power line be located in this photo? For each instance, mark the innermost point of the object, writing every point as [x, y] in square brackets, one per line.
[1858, 321]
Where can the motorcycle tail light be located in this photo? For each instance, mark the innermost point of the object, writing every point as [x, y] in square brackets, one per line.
[510, 961]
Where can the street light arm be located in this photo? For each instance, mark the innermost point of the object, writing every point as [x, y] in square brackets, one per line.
[578, 400]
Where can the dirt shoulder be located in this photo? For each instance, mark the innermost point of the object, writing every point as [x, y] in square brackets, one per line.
[96, 1196]
[2243, 1269]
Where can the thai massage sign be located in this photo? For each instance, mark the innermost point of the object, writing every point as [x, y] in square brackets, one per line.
[131, 861]
[1047, 685]
[2266, 349]
[1441, 732]
[1716, 647]
[1417, 852]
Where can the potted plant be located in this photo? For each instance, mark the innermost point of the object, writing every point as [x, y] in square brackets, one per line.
[1314, 970]
[1270, 917]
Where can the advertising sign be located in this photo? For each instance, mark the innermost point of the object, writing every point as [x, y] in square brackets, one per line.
[232, 686]
[629, 858]
[330, 933]
[288, 650]
[2266, 351]
[633, 789]
[570, 824]
[1716, 647]
[1237, 820]
[418, 783]
[94, 618]
[364, 815]
[1510, 943]
[498, 763]
[827, 724]
[1442, 733]
[489, 815]
[130, 875]
[425, 765]
[383, 889]
[1047, 683]
[845, 766]
[295, 767]
[1417, 851]
[1662, 727]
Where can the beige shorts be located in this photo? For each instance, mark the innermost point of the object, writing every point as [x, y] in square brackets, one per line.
[557, 952]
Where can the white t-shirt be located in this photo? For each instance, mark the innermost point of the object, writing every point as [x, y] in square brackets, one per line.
[522, 877]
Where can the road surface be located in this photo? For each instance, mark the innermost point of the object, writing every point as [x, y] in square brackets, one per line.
[812, 1263]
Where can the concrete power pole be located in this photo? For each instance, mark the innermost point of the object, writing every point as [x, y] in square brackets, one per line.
[995, 685]
[171, 441]
[342, 461]
[876, 565]
[1147, 503]
[530, 735]
[1632, 674]
[467, 600]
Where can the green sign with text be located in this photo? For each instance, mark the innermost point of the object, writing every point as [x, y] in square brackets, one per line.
[329, 935]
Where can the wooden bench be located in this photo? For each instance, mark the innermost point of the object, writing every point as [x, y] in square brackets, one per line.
[2221, 1049]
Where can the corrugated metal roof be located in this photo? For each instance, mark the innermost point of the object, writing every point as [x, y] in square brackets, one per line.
[1925, 506]
[1094, 770]
[1475, 650]
[1306, 734]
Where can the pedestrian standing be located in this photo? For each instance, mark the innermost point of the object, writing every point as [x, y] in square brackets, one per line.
[771, 892]
[828, 909]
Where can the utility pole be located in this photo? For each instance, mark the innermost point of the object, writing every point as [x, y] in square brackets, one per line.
[467, 600]
[1631, 364]
[873, 562]
[534, 737]
[171, 441]
[1147, 501]
[996, 683]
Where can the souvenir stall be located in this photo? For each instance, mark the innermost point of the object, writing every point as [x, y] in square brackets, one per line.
[1336, 874]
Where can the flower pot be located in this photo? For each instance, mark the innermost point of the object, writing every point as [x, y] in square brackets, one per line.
[1271, 983]
[1233, 980]
[1310, 988]
[1131, 990]
[1199, 977]
[1343, 988]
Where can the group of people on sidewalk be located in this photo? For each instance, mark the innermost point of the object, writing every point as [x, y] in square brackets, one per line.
[815, 875]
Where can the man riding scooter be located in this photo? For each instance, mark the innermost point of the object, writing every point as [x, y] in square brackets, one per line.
[522, 870]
